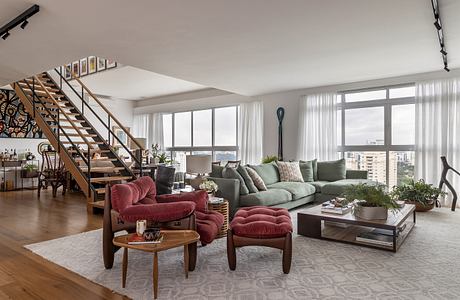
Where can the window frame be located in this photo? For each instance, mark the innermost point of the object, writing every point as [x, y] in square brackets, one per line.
[387, 105]
[211, 148]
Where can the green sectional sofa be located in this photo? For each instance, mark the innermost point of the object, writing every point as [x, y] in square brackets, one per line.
[323, 181]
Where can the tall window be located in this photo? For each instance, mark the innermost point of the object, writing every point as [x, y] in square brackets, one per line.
[376, 132]
[210, 131]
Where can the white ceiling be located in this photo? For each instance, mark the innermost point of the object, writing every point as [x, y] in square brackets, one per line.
[247, 47]
[131, 83]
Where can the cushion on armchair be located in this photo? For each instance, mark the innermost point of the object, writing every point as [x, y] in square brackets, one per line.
[158, 212]
[127, 194]
[200, 198]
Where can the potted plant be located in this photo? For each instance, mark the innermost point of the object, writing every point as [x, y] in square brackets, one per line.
[155, 151]
[209, 186]
[29, 171]
[269, 158]
[423, 195]
[371, 201]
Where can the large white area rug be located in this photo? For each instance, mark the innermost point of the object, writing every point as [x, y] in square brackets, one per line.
[427, 266]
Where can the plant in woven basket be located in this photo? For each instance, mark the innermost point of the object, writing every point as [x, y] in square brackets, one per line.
[269, 158]
[419, 192]
[209, 186]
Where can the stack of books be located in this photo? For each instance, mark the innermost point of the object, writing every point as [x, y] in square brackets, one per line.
[215, 200]
[380, 237]
[139, 240]
[331, 208]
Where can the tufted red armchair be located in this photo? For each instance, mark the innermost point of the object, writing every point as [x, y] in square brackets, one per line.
[137, 200]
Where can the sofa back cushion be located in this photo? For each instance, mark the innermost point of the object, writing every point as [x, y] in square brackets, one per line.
[216, 171]
[289, 171]
[258, 181]
[247, 179]
[127, 194]
[306, 168]
[314, 165]
[232, 173]
[268, 172]
[332, 170]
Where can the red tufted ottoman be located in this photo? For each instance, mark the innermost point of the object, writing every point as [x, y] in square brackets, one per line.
[261, 226]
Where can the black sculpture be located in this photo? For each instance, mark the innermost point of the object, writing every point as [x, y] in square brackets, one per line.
[280, 115]
[447, 167]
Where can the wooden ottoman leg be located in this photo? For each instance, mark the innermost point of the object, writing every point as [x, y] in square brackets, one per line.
[231, 253]
[192, 256]
[287, 253]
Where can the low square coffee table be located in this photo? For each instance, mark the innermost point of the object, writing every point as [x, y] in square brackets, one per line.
[311, 222]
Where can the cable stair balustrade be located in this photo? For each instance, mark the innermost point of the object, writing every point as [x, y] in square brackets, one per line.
[65, 123]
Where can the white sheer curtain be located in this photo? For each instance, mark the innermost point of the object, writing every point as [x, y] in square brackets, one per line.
[317, 133]
[156, 136]
[141, 126]
[149, 126]
[437, 130]
[251, 129]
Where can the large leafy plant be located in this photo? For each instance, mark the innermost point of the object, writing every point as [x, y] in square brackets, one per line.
[417, 191]
[269, 158]
[370, 195]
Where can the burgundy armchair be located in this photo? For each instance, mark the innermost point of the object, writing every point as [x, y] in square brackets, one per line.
[137, 200]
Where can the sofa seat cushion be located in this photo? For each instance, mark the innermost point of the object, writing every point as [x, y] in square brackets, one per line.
[297, 189]
[339, 186]
[319, 185]
[208, 225]
[163, 212]
[261, 222]
[266, 198]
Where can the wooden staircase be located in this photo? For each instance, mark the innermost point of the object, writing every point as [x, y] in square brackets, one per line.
[64, 119]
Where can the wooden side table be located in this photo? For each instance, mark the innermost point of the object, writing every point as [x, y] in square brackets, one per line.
[222, 208]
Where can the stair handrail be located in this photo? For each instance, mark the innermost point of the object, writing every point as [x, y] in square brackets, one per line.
[34, 95]
[106, 110]
[64, 113]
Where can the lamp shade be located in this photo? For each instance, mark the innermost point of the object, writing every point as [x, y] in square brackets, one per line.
[141, 141]
[198, 164]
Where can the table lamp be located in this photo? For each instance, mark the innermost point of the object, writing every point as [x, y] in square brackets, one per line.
[200, 165]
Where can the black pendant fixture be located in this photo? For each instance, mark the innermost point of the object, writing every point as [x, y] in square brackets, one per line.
[21, 20]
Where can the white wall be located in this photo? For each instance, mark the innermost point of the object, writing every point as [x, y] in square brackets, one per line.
[289, 100]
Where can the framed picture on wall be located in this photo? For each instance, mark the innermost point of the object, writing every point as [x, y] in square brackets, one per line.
[67, 71]
[76, 68]
[92, 64]
[101, 64]
[121, 135]
[83, 67]
[111, 64]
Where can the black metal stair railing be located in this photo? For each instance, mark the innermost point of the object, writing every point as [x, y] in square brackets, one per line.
[106, 125]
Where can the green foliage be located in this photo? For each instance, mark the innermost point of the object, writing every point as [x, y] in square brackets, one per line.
[269, 158]
[163, 158]
[30, 167]
[417, 191]
[374, 195]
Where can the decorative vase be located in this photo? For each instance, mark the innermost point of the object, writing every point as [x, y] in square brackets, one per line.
[371, 213]
[419, 207]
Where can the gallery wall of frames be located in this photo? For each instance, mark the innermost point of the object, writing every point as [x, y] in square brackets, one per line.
[87, 66]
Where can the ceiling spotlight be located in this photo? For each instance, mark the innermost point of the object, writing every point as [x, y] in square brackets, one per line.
[6, 35]
[24, 24]
[444, 52]
[437, 24]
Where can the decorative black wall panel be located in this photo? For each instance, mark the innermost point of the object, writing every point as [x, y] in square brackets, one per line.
[15, 122]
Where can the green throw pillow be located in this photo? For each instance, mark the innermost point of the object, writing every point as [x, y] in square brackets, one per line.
[231, 173]
[247, 179]
[332, 170]
[216, 171]
[306, 168]
[314, 165]
[268, 172]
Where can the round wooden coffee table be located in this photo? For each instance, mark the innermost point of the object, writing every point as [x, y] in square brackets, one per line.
[171, 239]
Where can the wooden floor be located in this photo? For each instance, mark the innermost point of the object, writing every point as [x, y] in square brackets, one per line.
[25, 219]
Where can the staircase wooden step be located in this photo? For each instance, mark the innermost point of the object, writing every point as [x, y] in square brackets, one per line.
[67, 113]
[109, 179]
[31, 81]
[101, 158]
[105, 170]
[84, 135]
[71, 127]
[98, 204]
[73, 121]
[100, 191]
[83, 142]
[85, 151]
